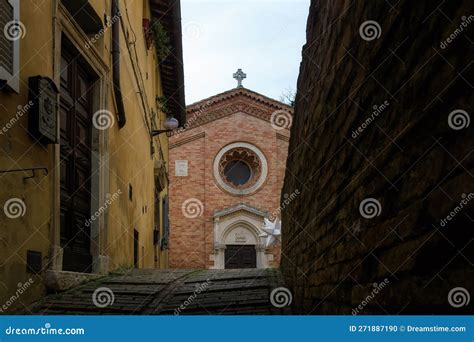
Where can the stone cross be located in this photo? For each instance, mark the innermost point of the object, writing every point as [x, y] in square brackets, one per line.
[239, 76]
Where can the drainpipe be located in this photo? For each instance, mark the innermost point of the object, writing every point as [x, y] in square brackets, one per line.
[116, 64]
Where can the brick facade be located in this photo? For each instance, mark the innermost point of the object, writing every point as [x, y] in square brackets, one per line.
[238, 115]
[408, 158]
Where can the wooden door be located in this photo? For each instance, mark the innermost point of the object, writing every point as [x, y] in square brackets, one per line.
[240, 256]
[75, 140]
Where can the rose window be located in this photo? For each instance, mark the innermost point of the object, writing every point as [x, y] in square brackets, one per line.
[240, 168]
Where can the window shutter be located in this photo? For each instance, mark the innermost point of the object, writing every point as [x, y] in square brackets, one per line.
[166, 229]
[156, 231]
[13, 31]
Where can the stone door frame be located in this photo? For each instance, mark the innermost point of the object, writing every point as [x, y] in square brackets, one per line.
[63, 27]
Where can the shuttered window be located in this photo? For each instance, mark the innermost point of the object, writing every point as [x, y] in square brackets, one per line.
[166, 228]
[6, 45]
[12, 32]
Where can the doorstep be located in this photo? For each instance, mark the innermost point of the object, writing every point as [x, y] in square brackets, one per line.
[65, 280]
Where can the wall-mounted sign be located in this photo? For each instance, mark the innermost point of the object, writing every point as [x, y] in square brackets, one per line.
[181, 168]
[43, 112]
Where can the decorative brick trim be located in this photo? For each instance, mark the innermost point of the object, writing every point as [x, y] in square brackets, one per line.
[283, 137]
[234, 101]
[187, 140]
[236, 92]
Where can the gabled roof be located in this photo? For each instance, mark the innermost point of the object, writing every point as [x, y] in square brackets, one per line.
[229, 102]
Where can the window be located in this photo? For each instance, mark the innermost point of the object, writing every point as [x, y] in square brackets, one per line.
[240, 168]
[13, 31]
[237, 172]
[136, 240]
[166, 224]
[156, 230]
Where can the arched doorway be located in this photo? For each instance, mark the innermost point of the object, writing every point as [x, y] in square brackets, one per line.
[237, 243]
[240, 247]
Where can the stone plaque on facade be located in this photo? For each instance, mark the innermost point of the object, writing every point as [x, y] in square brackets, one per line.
[181, 168]
[240, 237]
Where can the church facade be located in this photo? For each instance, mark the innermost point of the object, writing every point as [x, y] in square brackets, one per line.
[226, 174]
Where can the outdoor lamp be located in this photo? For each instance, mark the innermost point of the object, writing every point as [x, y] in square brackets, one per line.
[170, 124]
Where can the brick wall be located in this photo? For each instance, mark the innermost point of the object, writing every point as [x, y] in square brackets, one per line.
[192, 239]
[405, 156]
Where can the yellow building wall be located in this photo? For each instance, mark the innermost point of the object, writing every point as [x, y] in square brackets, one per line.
[18, 150]
[130, 150]
[130, 161]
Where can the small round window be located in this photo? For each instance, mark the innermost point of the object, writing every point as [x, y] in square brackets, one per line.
[240, 168]
[237, 172]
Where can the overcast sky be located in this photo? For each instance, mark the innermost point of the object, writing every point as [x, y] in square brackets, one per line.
[263, 37]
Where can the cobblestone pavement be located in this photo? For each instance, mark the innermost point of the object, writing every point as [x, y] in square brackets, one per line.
[171, 292]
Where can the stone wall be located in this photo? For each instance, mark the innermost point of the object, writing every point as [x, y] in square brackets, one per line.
[411, 160]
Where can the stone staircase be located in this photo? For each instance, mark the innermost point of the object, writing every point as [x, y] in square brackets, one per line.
[171, 292]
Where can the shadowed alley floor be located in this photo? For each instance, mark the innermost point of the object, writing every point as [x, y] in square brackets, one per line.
[171, 292]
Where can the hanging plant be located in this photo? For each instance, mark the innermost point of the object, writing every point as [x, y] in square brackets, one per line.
[161, 39]
[162, 104]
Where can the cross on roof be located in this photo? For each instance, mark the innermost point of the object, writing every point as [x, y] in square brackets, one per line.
[239, 76]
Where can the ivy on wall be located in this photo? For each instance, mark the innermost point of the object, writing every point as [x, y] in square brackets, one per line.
[161, 39]
[162, 104]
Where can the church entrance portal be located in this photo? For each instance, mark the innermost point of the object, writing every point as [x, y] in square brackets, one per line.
[238, 241]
